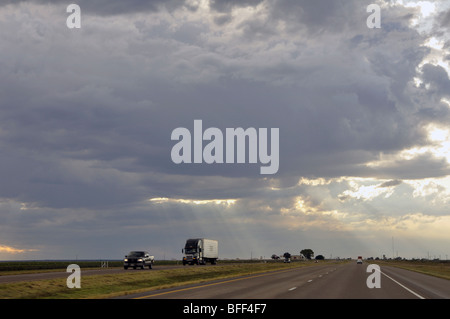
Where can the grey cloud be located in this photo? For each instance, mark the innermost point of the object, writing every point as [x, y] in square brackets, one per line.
[222, 19]
[110, 7]
[437, 77]
[422, 166]
[86, 116]
[390, 183]
[228, 5]
[444, 19]
[360, 116]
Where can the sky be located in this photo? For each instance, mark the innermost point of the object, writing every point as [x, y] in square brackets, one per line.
[86, 117]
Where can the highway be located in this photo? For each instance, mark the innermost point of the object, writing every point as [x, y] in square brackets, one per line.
[326, 281]
[319, 281]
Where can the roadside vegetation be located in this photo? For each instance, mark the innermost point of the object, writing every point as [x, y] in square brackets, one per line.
[437, 268]
[24, 267]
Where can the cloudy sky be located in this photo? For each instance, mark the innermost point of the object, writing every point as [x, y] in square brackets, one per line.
[86, 117]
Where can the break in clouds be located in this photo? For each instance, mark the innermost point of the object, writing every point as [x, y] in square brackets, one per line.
[86, 117]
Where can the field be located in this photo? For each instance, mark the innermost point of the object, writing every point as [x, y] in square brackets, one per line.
[433, 268]
[23, 267]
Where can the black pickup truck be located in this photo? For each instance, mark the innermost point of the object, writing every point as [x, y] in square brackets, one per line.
[139, 259]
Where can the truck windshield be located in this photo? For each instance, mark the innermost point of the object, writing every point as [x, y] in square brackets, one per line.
[190, 250]
[136, 254]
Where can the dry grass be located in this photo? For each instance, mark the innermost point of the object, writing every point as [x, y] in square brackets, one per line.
[432, 268]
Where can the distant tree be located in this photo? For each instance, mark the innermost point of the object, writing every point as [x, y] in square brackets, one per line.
[275, 256]
[308, 253]
[320, 257]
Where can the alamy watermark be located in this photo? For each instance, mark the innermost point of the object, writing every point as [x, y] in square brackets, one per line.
[374, 20]
[74, 19]
[374, 280]
[74, 279]
[219, 151]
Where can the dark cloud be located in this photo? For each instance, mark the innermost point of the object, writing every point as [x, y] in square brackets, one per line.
[437, 77]
[420, 167]
[391, 183]
[228, 5]
[444, 19]
[319, 16]
[86, 116]
[110, 7]
[334, 111]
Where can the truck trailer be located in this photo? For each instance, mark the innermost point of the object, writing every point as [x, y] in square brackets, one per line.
[199, 251]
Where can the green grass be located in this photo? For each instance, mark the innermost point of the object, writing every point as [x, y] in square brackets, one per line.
[22, 267]
[105, 286]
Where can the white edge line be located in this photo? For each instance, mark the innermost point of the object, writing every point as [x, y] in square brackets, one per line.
[414, 293]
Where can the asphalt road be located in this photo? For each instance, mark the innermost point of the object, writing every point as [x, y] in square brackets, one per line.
[345, 281]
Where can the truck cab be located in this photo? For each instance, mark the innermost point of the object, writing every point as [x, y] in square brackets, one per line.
[199, 251]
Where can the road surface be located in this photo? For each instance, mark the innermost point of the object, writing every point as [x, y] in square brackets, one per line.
[326, 281]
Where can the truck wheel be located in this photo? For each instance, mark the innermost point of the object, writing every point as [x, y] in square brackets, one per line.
[150, 266]
[124, 267]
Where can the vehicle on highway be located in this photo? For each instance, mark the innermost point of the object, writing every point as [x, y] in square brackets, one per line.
[199, 251]
[287, 257]
[359, 260]
[139, 259]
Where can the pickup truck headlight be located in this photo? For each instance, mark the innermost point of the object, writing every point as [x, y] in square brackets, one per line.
[125, 260]
[140, 259]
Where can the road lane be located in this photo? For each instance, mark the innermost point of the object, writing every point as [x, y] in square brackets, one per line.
[349, 282]
[263, 285]
[345, 281]
[428, 287]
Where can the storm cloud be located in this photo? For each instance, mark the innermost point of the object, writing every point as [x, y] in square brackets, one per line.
[86, 117]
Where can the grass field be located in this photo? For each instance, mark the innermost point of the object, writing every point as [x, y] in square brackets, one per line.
[23, 267]
[439, 269]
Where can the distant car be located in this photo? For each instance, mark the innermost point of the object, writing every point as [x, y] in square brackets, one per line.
[139, 259]
[287, 257]
[359, 260]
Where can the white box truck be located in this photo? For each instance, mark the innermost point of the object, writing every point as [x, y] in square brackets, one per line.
[199, 251]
